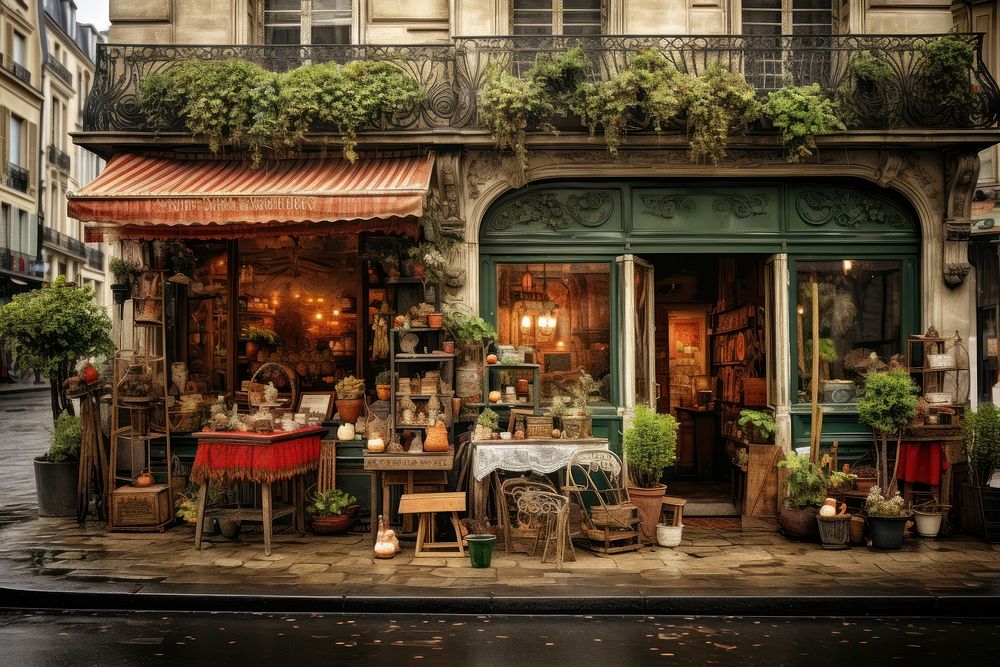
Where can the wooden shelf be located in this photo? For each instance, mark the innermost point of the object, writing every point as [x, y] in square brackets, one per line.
[513, 366]
[423, 357]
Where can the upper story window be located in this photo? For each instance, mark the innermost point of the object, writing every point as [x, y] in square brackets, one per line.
[19, 49]
[787, 17]
[557, 17]
[307, 21]
[16, 142]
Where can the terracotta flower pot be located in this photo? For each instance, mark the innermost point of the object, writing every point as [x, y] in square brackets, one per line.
[383, 391]
[799, 523]
[435, 320]
[252, 349]
[349, 409]
[649, 502]
[448, 347]
[332, 525]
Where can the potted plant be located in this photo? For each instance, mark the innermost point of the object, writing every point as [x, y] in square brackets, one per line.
[887, 405]
[486, 424]
[383, 385]
[982, 446]
[332, 512]
[887, 519]
[126, 273]
[258, 337]
[805, 491]
[472, 335]
[759, 425]
[577, 419]
[350, 398]
[56, 471]
[928, 518]
[650, 445]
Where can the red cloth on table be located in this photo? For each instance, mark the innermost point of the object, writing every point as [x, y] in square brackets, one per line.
[922, 462]
[226, 462]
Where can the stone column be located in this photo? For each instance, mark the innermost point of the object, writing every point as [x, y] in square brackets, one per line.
[781, 346]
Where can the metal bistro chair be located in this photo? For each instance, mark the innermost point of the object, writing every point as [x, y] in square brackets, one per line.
[551, 512]
[519, 529]
[611, 523]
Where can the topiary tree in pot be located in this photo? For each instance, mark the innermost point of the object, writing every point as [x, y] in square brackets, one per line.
[982, 446]
[888, 404]
[650, 445]
[56, 470]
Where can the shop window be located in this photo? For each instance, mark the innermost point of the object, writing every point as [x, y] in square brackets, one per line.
[208, 332]
[304, 290]
[324, 21]
[556, 17]
[860, 311]
[560, 316]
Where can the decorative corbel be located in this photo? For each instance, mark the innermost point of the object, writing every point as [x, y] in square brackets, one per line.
[960, 175]
[450, 195]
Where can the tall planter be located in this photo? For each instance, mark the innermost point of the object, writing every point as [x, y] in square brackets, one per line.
[887, 531]
[650, 502]
[799, 523]
[55, 486]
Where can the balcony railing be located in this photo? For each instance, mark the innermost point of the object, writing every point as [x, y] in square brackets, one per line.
[21, 72]
[59, 69]
[452, 74]
[18, 262]
[58, 158]
[95, 258]
[64, 242]
[17, 177]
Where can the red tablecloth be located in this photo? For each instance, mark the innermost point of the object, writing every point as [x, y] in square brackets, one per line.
[227, 461]
[922, 462]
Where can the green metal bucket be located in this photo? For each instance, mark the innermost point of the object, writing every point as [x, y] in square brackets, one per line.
[481, 549]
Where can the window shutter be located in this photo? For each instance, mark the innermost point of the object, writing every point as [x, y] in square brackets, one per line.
[4, 141]
[8, 46]
[31, 247]
[32, 157]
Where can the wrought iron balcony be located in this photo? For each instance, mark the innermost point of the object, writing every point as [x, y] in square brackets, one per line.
[17, 177]
[453, 73]
[59, 69]
[21, 72]
[58, 158]
[18, 262]
[64, 242]
[95, 258]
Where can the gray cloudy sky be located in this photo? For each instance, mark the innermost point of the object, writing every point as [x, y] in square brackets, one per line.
[93, 11]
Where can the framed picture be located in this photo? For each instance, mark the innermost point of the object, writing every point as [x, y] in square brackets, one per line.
[516, 413]
[316, 401]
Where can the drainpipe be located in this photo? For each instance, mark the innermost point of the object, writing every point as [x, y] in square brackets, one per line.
[40, 216]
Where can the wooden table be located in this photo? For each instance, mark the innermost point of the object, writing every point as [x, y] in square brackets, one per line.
[226, 457]
[539, 455]
[402, 462]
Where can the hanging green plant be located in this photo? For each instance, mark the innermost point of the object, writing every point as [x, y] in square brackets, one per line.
[717, 103]
[234, 101]
[511, 105]
[946, 68]
[649, 86]
[868, 78]
[801, 113]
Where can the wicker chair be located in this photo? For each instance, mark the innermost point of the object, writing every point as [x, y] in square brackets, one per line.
[611, 523]
[520, 531]
[550, 511]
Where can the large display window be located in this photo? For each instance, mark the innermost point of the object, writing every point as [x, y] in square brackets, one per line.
[861, 314]
[559, 314]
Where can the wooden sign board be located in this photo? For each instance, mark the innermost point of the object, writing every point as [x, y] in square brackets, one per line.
[423, 461]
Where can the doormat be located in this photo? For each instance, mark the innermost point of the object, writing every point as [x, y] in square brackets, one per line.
[719, 523]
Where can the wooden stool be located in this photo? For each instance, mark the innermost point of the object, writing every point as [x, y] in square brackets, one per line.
[412, 481]
[676, 507]
[426, 504]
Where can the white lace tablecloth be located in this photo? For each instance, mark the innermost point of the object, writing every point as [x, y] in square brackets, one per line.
[526, 455]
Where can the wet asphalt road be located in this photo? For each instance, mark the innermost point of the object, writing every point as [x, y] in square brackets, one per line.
[25, 432]
[277, 639]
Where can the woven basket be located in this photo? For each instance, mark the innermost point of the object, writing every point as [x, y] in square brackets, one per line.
[538, 427]
[255, 388]
[834, 531]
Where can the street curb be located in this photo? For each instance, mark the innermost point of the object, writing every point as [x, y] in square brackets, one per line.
[20, 391]
[947, 606]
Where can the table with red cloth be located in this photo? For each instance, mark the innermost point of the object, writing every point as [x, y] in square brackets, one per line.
[928, 462]
[228, 457]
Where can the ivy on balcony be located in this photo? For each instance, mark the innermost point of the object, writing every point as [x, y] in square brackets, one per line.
[238, 102]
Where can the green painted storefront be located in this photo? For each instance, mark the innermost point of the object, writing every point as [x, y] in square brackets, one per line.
[601, 220]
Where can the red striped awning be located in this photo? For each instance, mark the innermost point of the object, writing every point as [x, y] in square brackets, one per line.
[138, 196]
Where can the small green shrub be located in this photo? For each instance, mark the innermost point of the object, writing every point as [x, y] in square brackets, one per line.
[67, 436]
[801, 113]
[349, 388]
[262, 336]
[383, 377]
[946, 71]
[982, 440]
[868, 75]
[650, 445]
[805, 485]
[888, 404]
[125, 272]
[332, 502]
[761, 422]
[489, 419]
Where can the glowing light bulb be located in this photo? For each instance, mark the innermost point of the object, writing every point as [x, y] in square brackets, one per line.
[526, 323]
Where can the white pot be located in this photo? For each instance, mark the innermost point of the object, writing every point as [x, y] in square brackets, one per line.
[928, 523]
[668, 536]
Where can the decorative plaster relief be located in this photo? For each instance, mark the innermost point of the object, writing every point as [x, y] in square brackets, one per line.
[667, 206]
[960, 173]
[846, 209]
[592, 209]
[740, 205]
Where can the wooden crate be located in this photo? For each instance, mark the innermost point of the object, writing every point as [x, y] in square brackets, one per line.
[763, 492]
[135, 508]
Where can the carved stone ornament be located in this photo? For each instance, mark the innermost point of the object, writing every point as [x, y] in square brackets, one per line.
[898, 165]
[667, 206]
[741, 206]
[592, 209]
[846, 209]
[961, 170]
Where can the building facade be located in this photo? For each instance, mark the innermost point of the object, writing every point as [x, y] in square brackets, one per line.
[21, 102]
[657, 275]
[70, 54]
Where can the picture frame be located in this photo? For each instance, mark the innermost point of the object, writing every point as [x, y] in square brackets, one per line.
[514, 414]
[316, 401]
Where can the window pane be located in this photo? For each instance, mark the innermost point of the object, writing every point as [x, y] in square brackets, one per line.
[532, 17]
[561, 315]
[331, 34]
[282, 36]
[859, 313]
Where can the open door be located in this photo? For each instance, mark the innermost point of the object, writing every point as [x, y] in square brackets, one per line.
[635, 286]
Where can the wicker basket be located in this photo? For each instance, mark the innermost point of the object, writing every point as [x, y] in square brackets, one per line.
[538, 427]
[255, 389]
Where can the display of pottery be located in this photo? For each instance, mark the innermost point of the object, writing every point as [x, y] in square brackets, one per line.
[437, 438]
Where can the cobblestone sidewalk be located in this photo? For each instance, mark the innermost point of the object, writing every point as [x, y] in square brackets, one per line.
[50, 553]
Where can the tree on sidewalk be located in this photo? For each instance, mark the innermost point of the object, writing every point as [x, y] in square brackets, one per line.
[54, 327]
